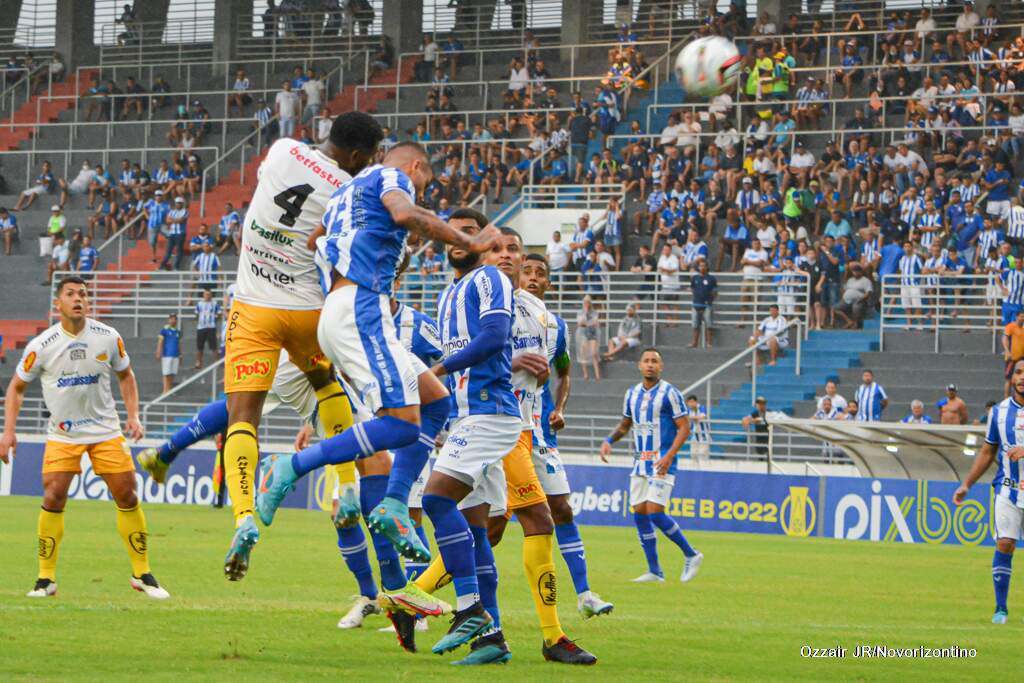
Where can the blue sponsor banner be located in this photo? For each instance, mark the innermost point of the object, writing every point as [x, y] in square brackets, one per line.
[853, 508]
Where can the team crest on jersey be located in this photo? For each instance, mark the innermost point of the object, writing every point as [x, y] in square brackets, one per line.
[77, 354]
[29, 361]
[102, 358]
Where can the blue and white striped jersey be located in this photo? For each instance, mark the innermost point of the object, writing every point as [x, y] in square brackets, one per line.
[700, 428]
[557, 346]
[1015, 223]
[933, 262]
[1006, 430]
[929, 225]
[653, 412]
[176, 219]
[484, 389]
[910, 208]
[363, 243]
[969, 192]
[207, 313]
[612, 227]
[418, 333]
[988, 239]
[910, 269]
[869, 402]
[1014, 281]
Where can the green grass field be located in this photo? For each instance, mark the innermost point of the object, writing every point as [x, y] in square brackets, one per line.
[757, 600]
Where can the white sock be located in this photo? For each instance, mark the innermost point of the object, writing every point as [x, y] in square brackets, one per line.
[466, 601]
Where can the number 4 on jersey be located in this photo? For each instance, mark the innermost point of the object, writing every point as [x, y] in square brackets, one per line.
[291, 200]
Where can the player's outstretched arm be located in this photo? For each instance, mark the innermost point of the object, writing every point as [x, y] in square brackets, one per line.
[130, 396]
[12, 406]
[981, 463]
[617, 433]
[422, 222]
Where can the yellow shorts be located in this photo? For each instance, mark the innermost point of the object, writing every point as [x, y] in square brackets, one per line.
[524, 487]
[254, 340]
[108, 457]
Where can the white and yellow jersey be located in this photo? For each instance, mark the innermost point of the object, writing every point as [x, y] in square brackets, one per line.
[276, 269]
[529, 335]
[75, 374]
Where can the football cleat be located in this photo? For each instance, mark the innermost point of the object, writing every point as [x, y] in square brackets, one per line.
[278, 481]
[405, 629]
[999, 617]
[691, 567]
[148, 584]
[488, 649]
[361, 608]
[149, 461]
[590, 604]
[390, 517]
[348, 512]
[466, 625]
[413, 600]
[566, 651]
[649, 577]
[236, 563]
[421, 625]
[44, 588]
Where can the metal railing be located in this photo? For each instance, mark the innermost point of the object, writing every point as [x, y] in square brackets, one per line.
[307, 33]
[157, 42]
[937, 303]
[211, 372]
[569, 196]
[670, 19]
[484, 24]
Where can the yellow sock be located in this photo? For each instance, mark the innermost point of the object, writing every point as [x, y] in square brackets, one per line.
[334, 409]
[346, 473]
[434, 577]
[131, 524]
[241, 453]
[540, 572]
[51, 530]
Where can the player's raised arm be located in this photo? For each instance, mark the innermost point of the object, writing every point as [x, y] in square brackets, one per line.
[12, 406]
[421, 221]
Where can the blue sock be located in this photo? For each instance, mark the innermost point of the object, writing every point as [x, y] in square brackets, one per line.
[669, 527]
[410, 459]
[371, 490]
[486, 574]
[571, 546]
[361, 441]
[352, 544]
[455, 543]
[414, 569]
[649, 542]
[1002, 567]
[211, 419]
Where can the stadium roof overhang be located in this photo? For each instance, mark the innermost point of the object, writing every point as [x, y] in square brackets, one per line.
[895, 449]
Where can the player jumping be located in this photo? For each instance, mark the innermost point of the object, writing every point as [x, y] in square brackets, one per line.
[657, 409]
[73, 360]
[1005, 444]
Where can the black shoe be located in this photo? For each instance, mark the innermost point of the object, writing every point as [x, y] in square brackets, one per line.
[566, 651]
[466, 625]
[405, 629]
[488, 649]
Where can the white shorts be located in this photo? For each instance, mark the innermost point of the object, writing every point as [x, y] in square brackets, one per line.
[473, 443]
[1009, 520]
[762, 343]
[644, 489]
[292, 388]
[357, 333]
[1000, 209]
[169, 365]
[491, 489]
[416, 492]
[550, 470]
[910, 296]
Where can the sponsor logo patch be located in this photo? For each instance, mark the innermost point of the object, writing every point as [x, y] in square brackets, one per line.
[253, 368]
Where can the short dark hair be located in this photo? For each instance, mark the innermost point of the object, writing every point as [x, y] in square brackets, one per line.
[540, 258]
[505, 230]
[409, 144]
[650, 349]
[69, 280]
[471, 214]
[692, 397]
[356, 130]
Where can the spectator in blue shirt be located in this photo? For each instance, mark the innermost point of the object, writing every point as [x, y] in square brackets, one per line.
[201, 238]
[45, 183]
[168, 351]
[229, 230]
[88, 257]
[155, 211]
[838, 226]
[8, 228]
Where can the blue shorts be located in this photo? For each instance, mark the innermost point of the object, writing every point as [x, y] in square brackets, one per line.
[358, 334]
[1010, 312]
[611, 240]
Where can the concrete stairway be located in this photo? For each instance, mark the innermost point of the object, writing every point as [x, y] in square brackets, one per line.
[42, 108]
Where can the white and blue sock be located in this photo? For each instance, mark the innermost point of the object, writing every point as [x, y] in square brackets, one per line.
[412, 458]
[648, 541]
[360, 441]
[455, 543]
[371, 491]
[211, 419]
[672, 531]
[571, 546]
[414, 569]
[486, 574]
[1002, 569]
[352, 544]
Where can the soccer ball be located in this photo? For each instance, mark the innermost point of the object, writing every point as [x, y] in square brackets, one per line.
[708, 66]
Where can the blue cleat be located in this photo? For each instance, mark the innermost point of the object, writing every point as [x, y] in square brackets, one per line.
[278, 481]
[236, 563]
[348, 512]
[489, 649]
[390, 517]
[999, 617]
[466, 625]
